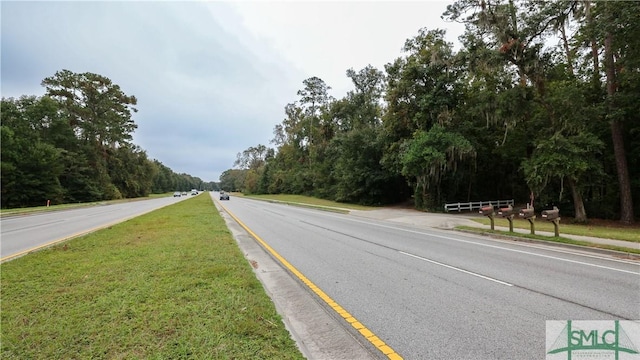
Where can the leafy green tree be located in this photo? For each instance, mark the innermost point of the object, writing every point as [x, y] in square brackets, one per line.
[314, 98]
[78, 178]
[428, 156]
[423, 91]
[164, 179]
[97, 109]
[74, 145]
[131, 172]
[232, 179]
[618, 26]
[512, 105]
[517, 31]
[253, 158]
[30, 167]
[354, 154]
[565, 158]
[99, 114]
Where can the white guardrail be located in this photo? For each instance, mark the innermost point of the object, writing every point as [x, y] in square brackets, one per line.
[476, 205]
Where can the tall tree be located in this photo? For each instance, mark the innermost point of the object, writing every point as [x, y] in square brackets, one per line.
[97, 108]
[314, 98]
[423, 90]
[428, 156]
[354, 154]
[253, 158]
[30, 167]
[620, 30]
[100, 115]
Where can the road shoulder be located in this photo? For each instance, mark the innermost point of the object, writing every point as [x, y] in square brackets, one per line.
[319, 335]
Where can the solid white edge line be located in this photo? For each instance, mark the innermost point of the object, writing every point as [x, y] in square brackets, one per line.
[508, 249]
[520, 251]
[455, 268]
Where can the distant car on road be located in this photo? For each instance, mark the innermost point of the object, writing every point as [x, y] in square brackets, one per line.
[224, 195]
[176, 194]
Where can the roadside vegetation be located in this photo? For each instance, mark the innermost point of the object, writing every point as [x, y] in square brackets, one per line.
[537, 102]
[58, 150]
[171, 284]
[606, 230]
[560, 239]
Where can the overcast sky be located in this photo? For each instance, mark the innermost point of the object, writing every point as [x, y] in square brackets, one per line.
[211, 78]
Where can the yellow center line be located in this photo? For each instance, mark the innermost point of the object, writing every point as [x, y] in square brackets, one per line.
[78, 234]
[51, 243]
[368, 334]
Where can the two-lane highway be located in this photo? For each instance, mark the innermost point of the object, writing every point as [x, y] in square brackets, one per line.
[23, 233]
[432, 294]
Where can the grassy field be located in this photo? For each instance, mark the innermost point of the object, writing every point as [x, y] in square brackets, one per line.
[171, 284]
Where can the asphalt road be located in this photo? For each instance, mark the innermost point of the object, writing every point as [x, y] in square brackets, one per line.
[20, 234]
[431, 294]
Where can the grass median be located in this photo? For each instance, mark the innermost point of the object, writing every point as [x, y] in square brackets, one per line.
[171, 284]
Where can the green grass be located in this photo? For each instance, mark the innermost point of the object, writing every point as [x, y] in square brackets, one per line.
[560, 239]
[607, 232]
[35, 209]
[311, 201]
[171, 284]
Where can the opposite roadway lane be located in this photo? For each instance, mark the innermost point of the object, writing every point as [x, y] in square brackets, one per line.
[22, 233]
[431, 294]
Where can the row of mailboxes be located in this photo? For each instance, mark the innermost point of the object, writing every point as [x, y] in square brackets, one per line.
[527, 213]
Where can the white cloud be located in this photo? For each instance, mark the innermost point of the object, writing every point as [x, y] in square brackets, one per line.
[211, 78]
[326, 38]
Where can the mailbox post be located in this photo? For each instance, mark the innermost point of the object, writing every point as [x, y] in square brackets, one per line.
[553, 216]
[488, 211]
[530, 215]
[507, 213]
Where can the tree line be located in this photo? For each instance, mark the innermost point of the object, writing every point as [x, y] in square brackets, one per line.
[74, 144]
[540, 103]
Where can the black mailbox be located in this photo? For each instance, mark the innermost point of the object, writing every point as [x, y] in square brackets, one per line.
[551, 214]
[504, 212]
[527, 213]
[486, 210]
